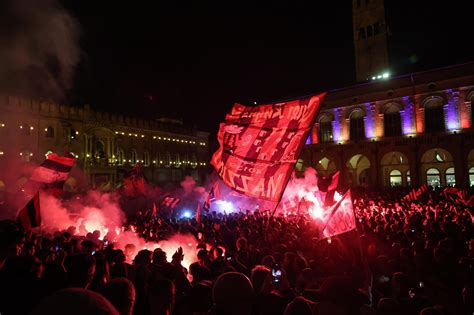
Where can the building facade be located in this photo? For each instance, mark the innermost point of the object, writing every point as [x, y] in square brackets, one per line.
[408, 130]
[105, 144]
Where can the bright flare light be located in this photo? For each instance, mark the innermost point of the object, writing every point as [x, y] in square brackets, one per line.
[186, 214]
[225, 206]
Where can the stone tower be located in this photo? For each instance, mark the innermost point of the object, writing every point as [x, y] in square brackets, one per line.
[370, 38]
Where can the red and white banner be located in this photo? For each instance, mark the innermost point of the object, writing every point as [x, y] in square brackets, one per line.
[259, 146]
[341, 217]
[53, 170]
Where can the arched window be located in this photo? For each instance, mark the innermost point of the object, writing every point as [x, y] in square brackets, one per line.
[325, 129]
[120, 156]
[356, 124]
[432, 177]
[392, 122]
[177, 160]
[146, 158]
[395, 178]
[408, 178]
[434, 115]
[369, 31]
[167, 159]
[376, 28]
[361, 33]
[471, 176]
[450, 177]
[133, 157]
[193, 161]
[99, 150]
[49, 132]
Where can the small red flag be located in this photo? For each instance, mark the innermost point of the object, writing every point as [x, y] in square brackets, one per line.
[198, 213]
[30, 216]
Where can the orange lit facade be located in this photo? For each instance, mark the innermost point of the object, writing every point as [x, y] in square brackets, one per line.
[407, 130]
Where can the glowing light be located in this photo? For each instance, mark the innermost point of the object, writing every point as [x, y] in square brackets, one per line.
[186, 214]
[21, 127]
[225, 206]
[45, 129]
[77, 132]
[2, 125]
[1, 152]
[385, 75]
[143, 136]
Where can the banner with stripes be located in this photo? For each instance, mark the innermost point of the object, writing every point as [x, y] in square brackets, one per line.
[30, 215]
[259, 146]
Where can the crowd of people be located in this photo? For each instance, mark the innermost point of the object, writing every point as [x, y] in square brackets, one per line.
[406, 257]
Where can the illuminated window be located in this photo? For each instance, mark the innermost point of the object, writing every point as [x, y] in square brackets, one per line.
[146, 158]
[356, 124]
[408, 178]
[177, 160]
[133, 157]
[167, 159]
[193, 161]
[120, 156]
[450, 177]
[434, 115]
[395, 178]
[471, 176]
[433, 177]
[49, 132]
[325, 129]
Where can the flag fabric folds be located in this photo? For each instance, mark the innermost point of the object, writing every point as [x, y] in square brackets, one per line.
[170, 202]
[213, 195]
[198, 213]
[341, 217]
[327, 187]
[30, 215]
[51, 174]
[259, 146]
[416, 194]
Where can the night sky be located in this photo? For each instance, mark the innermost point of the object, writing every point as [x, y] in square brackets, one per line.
[193, 60]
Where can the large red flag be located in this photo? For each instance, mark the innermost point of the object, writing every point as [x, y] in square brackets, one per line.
[259, 146]
[341, 217]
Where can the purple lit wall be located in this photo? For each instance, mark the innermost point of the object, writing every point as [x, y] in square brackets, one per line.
[406, 117]
[452, 122]
[369, 122]
[336, 126]
[308, 141]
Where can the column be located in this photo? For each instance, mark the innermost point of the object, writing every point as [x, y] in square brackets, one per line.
[419, 116]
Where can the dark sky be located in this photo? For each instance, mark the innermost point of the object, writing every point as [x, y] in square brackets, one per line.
[195, 59]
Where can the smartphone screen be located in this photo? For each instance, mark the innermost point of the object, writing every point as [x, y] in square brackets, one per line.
[276, 274]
